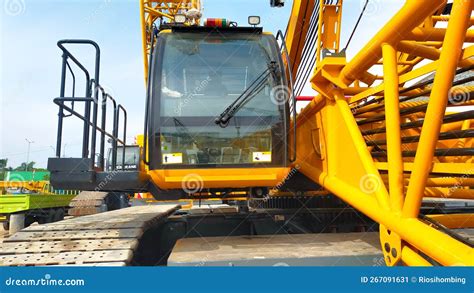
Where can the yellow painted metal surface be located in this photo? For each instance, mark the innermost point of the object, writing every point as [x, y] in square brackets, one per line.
[367, 138]
[298, 26]
[13, 203]
[454, 221]
[199, 179]
[35, 186]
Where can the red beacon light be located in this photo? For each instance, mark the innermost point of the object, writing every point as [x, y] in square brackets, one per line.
[217, 22]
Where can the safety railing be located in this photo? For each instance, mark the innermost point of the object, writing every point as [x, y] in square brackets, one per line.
[91, 108]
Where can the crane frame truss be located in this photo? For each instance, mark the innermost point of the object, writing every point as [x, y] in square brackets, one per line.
[381, 149]
[153, 10]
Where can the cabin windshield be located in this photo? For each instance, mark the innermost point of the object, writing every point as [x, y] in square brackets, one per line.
[201, 75]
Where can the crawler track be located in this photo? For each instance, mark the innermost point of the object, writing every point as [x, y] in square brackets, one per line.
[105, 239]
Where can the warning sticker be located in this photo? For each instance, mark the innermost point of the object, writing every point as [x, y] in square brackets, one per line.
[261, 157]
[174, 158]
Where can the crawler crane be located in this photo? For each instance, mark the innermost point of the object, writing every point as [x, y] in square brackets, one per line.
[384, 148]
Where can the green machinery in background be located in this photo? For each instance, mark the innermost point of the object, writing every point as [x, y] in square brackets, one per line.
[26, 197]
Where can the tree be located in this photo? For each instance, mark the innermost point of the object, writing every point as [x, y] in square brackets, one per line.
[3, 168]
[3, 164]
[25, 167]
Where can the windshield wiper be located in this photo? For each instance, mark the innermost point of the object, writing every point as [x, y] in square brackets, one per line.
[255, 87]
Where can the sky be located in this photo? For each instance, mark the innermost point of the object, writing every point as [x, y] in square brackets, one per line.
[31, 62]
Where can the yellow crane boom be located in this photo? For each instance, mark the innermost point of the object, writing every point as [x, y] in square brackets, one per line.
[379, 134]
[165, 11]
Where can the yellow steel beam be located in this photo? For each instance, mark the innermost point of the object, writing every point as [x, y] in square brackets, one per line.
[430, 241]
[392, 105]
[413, 74]
[298, 26]
[426, 52]
[463, 169]
[454, 191]
[329, 29]
[435, 34]
[448, 17]
[449, 58]
[333, 152]
[454, 221]
[450, 181]
[403, 22]
[411, 258]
